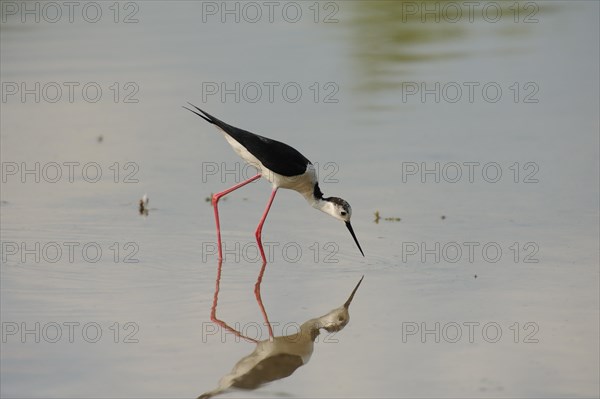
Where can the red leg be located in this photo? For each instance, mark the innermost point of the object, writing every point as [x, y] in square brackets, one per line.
[215, 200]
[258, 232]
[259, 300]
[213, 310]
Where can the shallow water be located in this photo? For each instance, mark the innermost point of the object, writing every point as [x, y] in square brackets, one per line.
[499, 298]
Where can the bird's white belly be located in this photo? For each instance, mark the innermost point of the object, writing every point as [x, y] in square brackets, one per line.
[303, 183]
[243, 152]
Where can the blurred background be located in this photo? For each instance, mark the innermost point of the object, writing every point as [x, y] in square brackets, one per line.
[463, 134]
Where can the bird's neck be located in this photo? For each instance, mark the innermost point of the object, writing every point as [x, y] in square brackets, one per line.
[315, 198]
[310, 329]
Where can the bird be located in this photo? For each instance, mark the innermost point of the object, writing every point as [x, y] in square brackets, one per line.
[277, 358]
[284, 167]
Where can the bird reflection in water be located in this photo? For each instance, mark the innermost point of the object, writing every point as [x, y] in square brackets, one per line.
[213, 311]
[276, 357]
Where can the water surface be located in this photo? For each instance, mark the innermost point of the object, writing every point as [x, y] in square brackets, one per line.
[367, 133]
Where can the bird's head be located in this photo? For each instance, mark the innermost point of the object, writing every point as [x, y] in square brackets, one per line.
[338, 318]
[338, 208]
[341, 210]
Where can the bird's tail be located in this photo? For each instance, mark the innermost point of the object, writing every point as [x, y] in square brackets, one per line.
[208, 117]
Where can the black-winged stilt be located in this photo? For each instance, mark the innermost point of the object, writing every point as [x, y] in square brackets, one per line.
[284, 167]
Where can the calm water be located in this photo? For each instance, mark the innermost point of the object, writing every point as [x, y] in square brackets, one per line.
[480, 136]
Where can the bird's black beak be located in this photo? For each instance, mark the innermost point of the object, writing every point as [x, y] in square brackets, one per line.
[347, 304]
[349, 226]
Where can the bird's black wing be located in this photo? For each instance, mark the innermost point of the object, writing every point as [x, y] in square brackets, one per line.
[275, 155]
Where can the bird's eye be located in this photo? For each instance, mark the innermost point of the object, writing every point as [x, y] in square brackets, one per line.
[343, 213]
